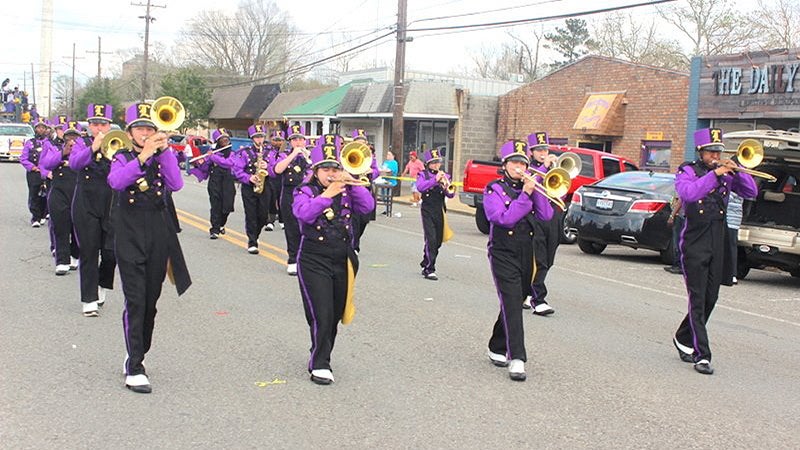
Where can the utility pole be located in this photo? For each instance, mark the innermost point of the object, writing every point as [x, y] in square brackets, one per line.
[399, 83]
[33, 87]
[147, 19]
[49, 86]
[99, 52]
[72, 97]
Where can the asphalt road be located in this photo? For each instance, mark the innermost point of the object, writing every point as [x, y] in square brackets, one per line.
[228, 363]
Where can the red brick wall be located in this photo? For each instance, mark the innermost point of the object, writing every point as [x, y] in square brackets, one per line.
[656, 102]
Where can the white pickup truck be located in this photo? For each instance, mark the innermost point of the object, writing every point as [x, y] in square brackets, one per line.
[12, 138]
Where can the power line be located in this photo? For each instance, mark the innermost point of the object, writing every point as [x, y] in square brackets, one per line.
[508, 23]
[485, 12]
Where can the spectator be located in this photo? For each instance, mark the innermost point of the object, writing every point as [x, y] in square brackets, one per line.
[389, 168]
[413, 168]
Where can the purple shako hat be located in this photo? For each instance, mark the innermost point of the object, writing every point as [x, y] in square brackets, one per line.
[709, 139]
[514, 150]
[327, 151]
[99, 113]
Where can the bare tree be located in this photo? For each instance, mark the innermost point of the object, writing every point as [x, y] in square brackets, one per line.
[62, 94]
[715, 27]
[528, 51]
[778, 23]
[256, 41]
[620, 36]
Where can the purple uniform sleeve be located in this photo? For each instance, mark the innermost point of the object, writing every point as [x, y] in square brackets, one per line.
[423, 183]
[81, 155]
[51, 158]
[238, 168]
[375, 171]
[506, 216]
[225, 163]
[690, 188]
[363, 201]
[744, 185]
[124, 173]
[170, 170]
[45, 173]
[306, 207]
[542, 208]
[24, 157]
[201, 172]
[272, 157]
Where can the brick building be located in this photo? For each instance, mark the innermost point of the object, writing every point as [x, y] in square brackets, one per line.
[632, 110]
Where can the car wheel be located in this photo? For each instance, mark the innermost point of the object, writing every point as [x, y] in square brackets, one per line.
[743, 269]
[480, 220]
[567, 237]
[592, 248]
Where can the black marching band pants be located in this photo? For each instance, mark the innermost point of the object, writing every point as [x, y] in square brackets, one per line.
[702, 247]
[91, 217]
[142, 239]
[433, 229]
[274, 185]
[511, 262]
[546, 237]
[256, 210]
[37, 203]
[59, 203]
[221, 194]
[322, 274]
[291, 227]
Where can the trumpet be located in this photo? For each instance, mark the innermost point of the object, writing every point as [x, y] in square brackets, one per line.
[749, 154]
[555, 184]
[113, 142]
[447, 185]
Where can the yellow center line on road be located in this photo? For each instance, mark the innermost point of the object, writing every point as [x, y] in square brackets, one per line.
[233, 232]
[203, 226]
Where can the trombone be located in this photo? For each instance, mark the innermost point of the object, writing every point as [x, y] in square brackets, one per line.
[555, 184]
[113, 142]
[749, 154]
[363, 181]
[167, 113]
[356, 159]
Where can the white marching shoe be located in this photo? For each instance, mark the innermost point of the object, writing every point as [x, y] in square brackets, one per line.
[497, 359]
[62, 269]
[73, 263]
[138, 383]
[543, 309]
[291, 269]
[516, 370]
[90, 309]
[322, 376]
[526, 304]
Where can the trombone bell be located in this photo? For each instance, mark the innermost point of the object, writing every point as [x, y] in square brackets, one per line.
[750, 153]
[571, 163]
[113, 142]
[356, 158]
[168, 113]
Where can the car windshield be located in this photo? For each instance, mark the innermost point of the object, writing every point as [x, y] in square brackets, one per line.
[663, 183]
[16, 130]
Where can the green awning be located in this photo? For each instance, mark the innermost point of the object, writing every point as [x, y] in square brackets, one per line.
[325, 105]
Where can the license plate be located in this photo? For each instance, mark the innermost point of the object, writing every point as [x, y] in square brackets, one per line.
[603, 203]
[771, 143]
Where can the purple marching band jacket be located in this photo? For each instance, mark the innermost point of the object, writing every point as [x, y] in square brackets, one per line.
[202, 171]
[693, 186]
[427, 180]
[244, 161]
[507, 213]
[33, 151]
[309, 206]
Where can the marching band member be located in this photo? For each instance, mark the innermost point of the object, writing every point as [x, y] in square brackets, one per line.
[433, 184]
[512, 206]
[248, 162]
[546, 234]
[360, 221]
[326, 260]
[274, 183]
[59, 199]
[291, 166]
[91, 211]
[146, 238]
[30, 157]
[221, 189]
[704, 186]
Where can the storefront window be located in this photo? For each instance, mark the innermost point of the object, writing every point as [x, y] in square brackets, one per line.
[656, 155]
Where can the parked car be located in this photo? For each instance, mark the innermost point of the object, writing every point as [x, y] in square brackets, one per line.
[770, 232]
[629, 208]
[12, 139]
[595, 165]
[190, 145]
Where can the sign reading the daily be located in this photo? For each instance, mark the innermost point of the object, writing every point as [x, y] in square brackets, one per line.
[767, 79]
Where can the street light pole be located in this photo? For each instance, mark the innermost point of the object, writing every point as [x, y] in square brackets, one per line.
[399, 88]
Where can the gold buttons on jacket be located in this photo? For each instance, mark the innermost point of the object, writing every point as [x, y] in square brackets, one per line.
[701, 211]
[130, 200]
[511, 232]
[321, 238]
[700, 202]
[87, 177]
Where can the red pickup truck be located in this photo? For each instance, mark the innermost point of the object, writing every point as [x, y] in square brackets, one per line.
[595, 166]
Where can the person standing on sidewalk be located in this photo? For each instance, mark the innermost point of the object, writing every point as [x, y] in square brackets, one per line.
[413, 167]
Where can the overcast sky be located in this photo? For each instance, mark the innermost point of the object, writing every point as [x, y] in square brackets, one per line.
[82, 21]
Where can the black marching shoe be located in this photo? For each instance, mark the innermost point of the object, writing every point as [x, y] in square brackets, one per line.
[704, 366]
[138, 383]
[685, 356]
[213, 236]
[322, 376]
